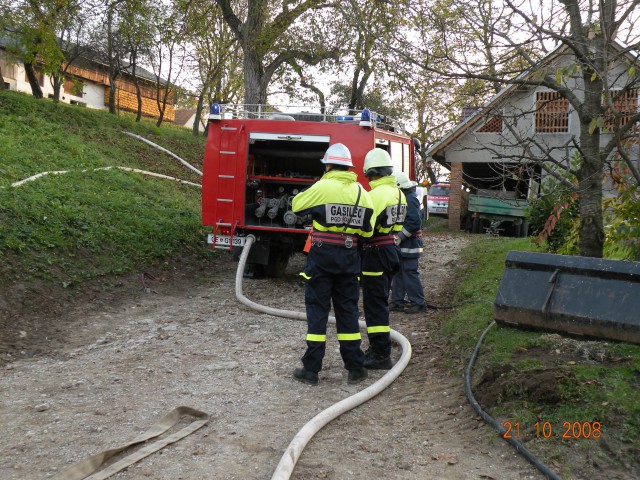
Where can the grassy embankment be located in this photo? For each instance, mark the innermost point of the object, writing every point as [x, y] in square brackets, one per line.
[64, 229]
[528, 377]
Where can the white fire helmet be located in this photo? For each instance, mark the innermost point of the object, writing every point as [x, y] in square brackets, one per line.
[337, 154]
[402, 180]
[376, 158]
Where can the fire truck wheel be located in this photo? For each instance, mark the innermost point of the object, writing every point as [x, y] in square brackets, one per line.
[278, 261]
[253, 270]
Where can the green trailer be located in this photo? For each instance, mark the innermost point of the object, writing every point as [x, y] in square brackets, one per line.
[494, 213]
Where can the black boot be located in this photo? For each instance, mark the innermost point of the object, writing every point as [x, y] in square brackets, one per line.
[305, 376]
[415, 308]
[356, 376]
[376, 361]
[396, 307]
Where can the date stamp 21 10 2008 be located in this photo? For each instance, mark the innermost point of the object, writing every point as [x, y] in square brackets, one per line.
[568, 430]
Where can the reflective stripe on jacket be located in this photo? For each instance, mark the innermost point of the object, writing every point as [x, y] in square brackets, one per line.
[412, 244]
[331, 202]
[389, 205]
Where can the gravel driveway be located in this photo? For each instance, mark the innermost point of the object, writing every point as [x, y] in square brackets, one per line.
[127, 361]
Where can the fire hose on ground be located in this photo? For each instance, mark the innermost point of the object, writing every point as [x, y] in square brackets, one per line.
[291, 455]
[294, 450]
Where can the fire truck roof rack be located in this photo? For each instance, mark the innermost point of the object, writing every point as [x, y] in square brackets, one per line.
[307, 113]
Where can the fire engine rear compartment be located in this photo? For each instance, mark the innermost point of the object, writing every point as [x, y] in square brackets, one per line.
[254, 167]
[278, 167]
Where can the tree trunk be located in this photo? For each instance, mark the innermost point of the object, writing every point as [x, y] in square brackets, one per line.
[1, 80]
[112, 94]
[591, 231]
[57, 84]
[199, 108]
[589, 175]
[138, 94]
[255, 85]
[357, 90]
[133, 60]
[162, 105]
[139, 97]
[33, 80]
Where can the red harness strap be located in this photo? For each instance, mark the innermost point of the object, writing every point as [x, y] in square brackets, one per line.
[381, 240]
[318, 238]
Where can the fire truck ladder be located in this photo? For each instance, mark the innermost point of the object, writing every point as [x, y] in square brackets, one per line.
[226, 177]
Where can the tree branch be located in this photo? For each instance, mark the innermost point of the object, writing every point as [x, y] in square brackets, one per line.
[230, 17]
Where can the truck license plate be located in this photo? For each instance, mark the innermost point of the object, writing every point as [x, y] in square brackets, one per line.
[225, 240]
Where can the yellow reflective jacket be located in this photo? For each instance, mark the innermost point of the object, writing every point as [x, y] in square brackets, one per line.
[389, 205]
[332, 204]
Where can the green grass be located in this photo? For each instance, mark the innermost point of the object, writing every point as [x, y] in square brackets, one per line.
[70, 227]
[436, 224]
[607, 391]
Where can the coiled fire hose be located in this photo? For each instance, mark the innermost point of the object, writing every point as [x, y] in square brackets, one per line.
[294, 450]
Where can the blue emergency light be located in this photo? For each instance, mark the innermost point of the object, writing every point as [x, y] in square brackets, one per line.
[365, 118]
[214, 113]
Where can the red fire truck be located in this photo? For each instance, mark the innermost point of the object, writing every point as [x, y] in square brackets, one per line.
[256, 160]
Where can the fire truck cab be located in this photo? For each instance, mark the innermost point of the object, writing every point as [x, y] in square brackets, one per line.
[257, 159]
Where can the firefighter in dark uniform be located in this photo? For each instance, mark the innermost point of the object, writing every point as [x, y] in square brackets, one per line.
[381, 256]
[342, 215]
[407, 281]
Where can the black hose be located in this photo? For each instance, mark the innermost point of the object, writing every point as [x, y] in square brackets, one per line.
[487, 418]
[456, 305]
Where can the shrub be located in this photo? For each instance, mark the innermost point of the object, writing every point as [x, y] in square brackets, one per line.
[554, 218]
[622, 220]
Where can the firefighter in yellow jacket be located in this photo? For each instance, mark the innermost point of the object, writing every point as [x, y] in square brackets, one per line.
[342, 215]
[381, 256]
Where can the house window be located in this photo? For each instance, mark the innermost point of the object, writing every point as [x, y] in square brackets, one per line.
[494, 125]
[9, 71]
[626, 103]
[552, 113]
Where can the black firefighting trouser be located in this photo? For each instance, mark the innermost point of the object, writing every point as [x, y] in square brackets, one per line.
[379, 264]
[332, 276]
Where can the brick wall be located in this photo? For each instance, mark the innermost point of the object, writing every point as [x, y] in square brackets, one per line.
[455, 196]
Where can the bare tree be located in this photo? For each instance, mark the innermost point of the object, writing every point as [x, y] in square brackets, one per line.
[169, 55]
[215, 57]
[70, 40]
[584, 65]
[266, 45]
[137, 27]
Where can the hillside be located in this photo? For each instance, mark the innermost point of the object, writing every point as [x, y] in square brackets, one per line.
[89, 226]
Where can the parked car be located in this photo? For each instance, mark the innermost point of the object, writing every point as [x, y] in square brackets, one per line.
[438, 199]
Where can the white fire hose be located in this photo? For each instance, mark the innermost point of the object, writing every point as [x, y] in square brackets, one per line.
[294, 450]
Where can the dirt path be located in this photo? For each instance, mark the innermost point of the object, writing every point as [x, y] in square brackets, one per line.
[126, 363]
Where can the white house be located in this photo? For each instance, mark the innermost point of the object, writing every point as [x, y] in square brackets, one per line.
[489, 147]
